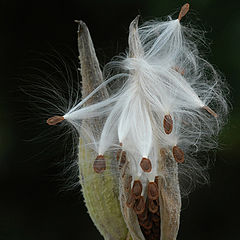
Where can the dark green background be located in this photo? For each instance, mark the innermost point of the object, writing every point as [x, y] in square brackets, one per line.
[33, 201]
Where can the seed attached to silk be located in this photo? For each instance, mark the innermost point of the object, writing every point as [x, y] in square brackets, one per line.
[178, 154]
[146, 165]
[54, 120]
[168, 124]
[99, 164]
[122, 159]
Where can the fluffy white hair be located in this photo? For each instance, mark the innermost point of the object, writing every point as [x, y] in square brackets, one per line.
[168, 97]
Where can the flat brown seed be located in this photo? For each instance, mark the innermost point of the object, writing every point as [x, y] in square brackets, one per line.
[139, 205]
[99, 164]
[152, 237]
[184, 10]
[147, 231]
[156, 180]
[153, 191]
[178, 154]
[137, 189]
[177, 69]
[147, 224]
[54, 120]
[143, 216]
[153, 206]
[168, 124]
[127, 185]
[146, 165]
[130, 201]
[163, 153]
[122, 159]
[155, 218]
[119, 154]
[209, 110]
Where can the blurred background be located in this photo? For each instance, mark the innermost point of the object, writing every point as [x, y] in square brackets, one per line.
[36, 201]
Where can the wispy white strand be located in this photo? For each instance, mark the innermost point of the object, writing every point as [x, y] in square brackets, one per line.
[165, 75]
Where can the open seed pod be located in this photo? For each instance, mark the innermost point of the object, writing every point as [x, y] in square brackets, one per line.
[137, 140]
[107, 207]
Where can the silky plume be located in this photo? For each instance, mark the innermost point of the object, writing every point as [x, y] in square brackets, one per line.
[168, 104]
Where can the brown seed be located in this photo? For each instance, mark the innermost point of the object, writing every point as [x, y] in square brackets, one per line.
[152, 237]
[168, 124]
[147, 224]
[54, 120]
[137, 188]
[155, 218]
[127, 185]
[139, 205]
[163, 152]
[142, 222]
[155, 236]
[153, 191]
[178, 154]
[99, 164]
[184, 10]
[147, 232]
[143, 216]
[209, 110]
[146, 165]
[157, 224]
[122, 159]
[177, 69]
[119, 154]
[153, 205]
[156, 180]
[130, 201]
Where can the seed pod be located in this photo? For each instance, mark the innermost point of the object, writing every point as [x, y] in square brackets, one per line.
[100, 198]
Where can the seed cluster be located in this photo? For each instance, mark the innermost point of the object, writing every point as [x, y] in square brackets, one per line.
[147, 211]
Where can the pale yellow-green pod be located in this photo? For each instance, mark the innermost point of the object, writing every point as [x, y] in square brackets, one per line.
[101, 197]
[100, 191]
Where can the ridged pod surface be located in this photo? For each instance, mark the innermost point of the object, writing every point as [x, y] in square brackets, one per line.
[99, 190]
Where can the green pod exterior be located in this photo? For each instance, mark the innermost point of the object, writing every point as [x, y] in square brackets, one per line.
[101, 197]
